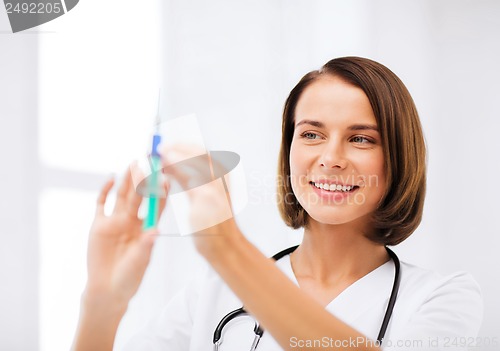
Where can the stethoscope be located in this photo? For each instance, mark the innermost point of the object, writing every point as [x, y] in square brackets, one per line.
[240, 312]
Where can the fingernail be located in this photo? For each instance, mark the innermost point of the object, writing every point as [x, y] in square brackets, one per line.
[172, 157]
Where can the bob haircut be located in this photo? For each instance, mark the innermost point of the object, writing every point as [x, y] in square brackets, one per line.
[400, 210]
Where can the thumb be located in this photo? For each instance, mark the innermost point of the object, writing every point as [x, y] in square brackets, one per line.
[140, 253]
[130, 271]
[146, 243]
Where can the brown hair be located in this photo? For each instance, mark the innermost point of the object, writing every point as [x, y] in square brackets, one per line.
[400, 210]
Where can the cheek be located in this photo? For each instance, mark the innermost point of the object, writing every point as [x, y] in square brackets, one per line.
[373, 169]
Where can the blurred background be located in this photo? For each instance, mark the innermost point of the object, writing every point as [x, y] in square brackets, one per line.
[77, 103]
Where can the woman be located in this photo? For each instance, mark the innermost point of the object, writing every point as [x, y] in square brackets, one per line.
[352, 174]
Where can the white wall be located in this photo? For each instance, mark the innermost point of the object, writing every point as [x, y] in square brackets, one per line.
[463, 146]
[19, 179]
[447, 52]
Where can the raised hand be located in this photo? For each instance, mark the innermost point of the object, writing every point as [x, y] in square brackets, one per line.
[118, 250]
[118, 255]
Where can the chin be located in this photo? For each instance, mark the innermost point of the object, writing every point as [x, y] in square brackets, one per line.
[337, 216]
[331, 219]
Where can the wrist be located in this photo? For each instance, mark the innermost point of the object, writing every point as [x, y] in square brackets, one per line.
[219, 245]
[103, 303]
[100, 316]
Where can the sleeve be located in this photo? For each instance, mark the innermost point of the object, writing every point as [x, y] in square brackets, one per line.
[171, 329]
[448, 319]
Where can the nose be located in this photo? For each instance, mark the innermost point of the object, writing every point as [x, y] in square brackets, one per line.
[333, 155]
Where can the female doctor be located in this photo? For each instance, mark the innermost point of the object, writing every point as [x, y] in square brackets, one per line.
[352, 175]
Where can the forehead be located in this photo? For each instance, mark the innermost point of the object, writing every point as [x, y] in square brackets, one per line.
[331, 99]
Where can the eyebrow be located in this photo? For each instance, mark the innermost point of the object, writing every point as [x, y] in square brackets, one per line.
[351, 127]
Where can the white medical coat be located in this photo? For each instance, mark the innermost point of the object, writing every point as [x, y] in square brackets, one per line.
[432, 312]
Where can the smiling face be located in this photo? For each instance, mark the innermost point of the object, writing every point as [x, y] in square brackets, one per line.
[336, 156]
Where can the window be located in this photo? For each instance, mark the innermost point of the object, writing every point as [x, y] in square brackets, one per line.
[98, 89]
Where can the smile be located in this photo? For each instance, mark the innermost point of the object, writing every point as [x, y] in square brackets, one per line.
[334, 187]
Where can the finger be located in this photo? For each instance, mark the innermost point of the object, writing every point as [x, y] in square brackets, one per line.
[185, 149]
[103, 195]
[179, 155]
[206, 166]
[191, 150]
[130, 270]
[226, 183]
[134, 199]
[149, 237]
[134, 202]
[191, 173]
[180, 176]
[218, 168]
[121, 196]
[144, 248]
[163, 200]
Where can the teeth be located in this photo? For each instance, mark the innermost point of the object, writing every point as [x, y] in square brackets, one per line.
[333, 187]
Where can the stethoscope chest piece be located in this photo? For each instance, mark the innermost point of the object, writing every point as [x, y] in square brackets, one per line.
[240, 312]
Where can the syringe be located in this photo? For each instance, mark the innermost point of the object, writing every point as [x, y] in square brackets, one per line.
[151, 219]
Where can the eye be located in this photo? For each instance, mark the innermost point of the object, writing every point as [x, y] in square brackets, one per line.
[309, 135]
[359, 139]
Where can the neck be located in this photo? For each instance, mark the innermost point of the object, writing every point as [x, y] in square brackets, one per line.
[330, 254]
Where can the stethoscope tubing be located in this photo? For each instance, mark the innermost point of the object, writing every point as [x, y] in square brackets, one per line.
[240, 312]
